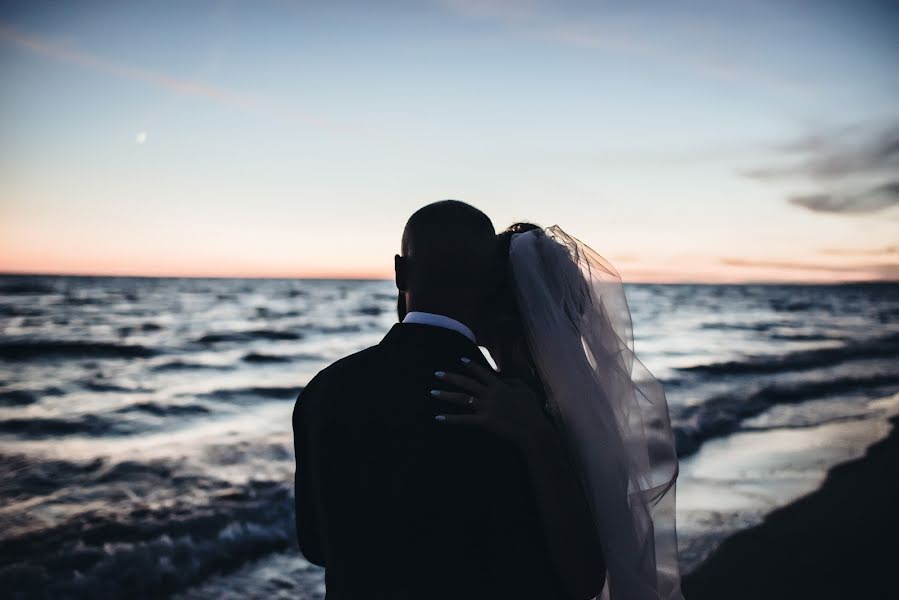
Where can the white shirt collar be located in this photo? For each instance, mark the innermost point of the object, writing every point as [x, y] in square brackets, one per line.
[426, 318]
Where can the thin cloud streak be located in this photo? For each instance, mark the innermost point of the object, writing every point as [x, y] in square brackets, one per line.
[183, 87]
[888, 250]
[885, 271]
[504, 10]
[862, 162]
[875, 200]
[836, 154]
[596, 38]
[530, 19]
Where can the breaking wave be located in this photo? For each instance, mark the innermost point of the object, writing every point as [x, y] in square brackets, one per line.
[21, 350]
[141, 548]
[807, 359]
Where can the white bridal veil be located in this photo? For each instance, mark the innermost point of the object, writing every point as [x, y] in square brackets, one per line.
[611, 409]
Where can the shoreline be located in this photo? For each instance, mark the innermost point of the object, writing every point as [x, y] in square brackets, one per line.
[836, 542]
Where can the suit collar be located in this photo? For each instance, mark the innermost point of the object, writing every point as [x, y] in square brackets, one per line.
[435, 320]
[416, 334]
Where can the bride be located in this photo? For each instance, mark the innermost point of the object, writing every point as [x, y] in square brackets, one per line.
[560, 333]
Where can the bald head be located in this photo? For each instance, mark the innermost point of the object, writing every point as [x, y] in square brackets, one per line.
[448, 254]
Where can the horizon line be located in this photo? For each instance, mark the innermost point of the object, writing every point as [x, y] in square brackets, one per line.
[362, 277]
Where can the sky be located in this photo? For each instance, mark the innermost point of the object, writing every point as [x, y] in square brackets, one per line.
[694, 141]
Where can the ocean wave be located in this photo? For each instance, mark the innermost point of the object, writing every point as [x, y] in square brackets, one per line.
[248, 336]
[22, 477]
[20, 350]
[27, 396]
[790, 305]
[737, 326]
[17, 398]
[281, 575]
[165, 410]
[183, 365]
[254, 393]
[339, 329]
[244, 452]
[83, 300]
[721, 415]
[8, 310]
[148, 546]
[803, 337]
[112, 423]
[807, 425]
[25, 286]
[260, 357]
[264, 313]
[87, 425]
[103, 386]
[126, 330]
[804, 359]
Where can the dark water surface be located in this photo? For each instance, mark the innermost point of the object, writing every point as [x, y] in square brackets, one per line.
[145, 423]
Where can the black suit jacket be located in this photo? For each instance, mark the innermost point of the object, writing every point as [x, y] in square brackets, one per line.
[396, 505]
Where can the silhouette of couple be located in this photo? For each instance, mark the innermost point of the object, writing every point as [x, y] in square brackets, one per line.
[422, 472]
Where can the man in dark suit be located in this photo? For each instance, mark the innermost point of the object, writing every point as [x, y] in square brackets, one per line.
[393, 503]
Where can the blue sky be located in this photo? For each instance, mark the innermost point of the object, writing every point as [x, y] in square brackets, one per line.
[712, 141]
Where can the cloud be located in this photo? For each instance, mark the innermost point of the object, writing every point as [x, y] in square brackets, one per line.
[845, 152]
[886, 271]
[856, 168]
[504, 10]
[535, 18]
[874, 200]
[162, 81]
[886, 250]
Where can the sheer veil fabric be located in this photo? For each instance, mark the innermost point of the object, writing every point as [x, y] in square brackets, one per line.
[611, 410]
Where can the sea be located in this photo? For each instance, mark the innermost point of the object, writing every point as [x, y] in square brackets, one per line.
[145, 423]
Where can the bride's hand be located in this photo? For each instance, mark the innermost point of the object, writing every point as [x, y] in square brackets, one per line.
[506, 407]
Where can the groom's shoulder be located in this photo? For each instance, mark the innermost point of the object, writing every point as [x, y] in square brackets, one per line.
[345, 371]
[356, 362]
[334, 379]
